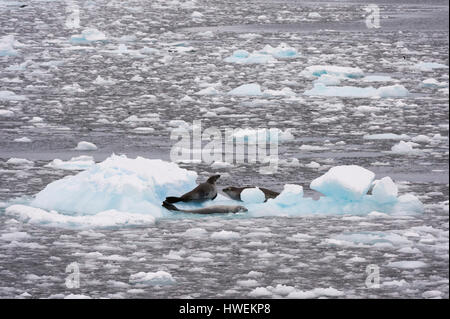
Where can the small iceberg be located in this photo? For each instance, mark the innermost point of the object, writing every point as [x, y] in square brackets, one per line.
[7, 44]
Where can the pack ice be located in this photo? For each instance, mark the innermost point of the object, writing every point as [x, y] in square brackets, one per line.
[123, 191]
[268, 54]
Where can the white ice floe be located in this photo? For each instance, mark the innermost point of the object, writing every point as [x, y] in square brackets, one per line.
[429, 66]
[11, 96]
[251, 89]
[121, 191]
[22, 139]
[118, 183]
[273, 135]
[405, 148]
[19, 161]
[75, 163]
[386, 136]
[88, 35]
[85, 146]
[433, 83]
[336, 71]
[350, 182]
[152, 278]
[268, 54]
[320, 89]
[224, 235]
[109, 218]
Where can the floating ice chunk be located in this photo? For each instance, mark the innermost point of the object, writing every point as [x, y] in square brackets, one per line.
[253, 195]
[348, 182]
[19, 161]
[367, 239]
[14, 236]
[152, 278]
[385, 190]
[314, 15]
[252, 89]
[404, 148]
[386, 136]
[11, 96]
[77, 296]
[208, 91]
[101, 81]
[429, 66]
[224, 234]
[337, 71]
[220, 164]
[85, 146]
[273, 135]
[315, 293]
[432, 83]
[88, 35]
[421, 139]
[376, 78]
[6, 113]
[22, 139]
[110, 218]
[7, 43]
[396, 90]
[283, 51]
[260, 292]
[75, 163]
[196, 14]
[407, 264]
[127, 185]
[320, 89]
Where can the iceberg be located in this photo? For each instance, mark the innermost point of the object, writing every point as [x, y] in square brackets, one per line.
[11, 96]
[122, 191]
[320, 89]
[349, 182]
[120, 183]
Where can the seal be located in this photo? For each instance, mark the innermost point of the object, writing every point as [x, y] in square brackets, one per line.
[201, 193]
[235, 192]
[218, 209]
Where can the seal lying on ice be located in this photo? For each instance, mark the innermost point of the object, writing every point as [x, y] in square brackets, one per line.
[235, 192]
[202, 192]
[218, 209]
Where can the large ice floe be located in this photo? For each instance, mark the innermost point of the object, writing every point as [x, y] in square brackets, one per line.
[121, 191]
[321, 89]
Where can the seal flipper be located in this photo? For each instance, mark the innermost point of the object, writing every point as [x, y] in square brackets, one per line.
[169, 206]
[173, 199]
[214, 197]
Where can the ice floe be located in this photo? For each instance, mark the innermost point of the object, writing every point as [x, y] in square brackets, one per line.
[121, 191]
[268, 54]
[320, 89]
